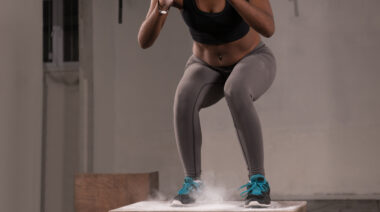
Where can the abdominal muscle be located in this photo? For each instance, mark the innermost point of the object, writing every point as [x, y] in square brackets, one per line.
[228, 53]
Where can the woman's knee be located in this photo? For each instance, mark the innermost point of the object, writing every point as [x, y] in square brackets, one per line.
[235, 91]
[184, 96]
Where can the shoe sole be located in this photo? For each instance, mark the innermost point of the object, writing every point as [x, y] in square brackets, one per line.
[253, 204]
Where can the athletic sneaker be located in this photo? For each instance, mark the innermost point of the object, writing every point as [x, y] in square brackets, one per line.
[188, 193]
[257, 193]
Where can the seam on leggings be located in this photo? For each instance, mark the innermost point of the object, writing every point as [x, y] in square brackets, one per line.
[240, 141]
[192, 122]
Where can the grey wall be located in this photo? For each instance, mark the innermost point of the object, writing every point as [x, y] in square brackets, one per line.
[62, 136]
[320, 118]
[20, 104]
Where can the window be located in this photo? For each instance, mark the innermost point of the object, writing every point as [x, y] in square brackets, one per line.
[60, 34]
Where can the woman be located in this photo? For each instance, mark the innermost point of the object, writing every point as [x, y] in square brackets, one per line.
[229, 60]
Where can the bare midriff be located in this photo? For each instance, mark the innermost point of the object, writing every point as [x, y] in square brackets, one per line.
[229, 53]
[224, 54]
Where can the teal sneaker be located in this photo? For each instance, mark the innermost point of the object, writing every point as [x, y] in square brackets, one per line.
[257, 193]
[187, 195]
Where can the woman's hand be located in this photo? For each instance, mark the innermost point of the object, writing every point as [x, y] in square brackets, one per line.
[165, 4]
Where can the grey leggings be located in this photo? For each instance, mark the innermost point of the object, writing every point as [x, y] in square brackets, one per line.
[241, 84]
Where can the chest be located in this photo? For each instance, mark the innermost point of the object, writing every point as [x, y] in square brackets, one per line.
[210, 6]
[222, 17]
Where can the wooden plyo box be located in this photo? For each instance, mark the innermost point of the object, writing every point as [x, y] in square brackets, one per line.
[103, 192]
[227, 206]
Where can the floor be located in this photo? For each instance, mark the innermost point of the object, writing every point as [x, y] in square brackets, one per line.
[343, 205]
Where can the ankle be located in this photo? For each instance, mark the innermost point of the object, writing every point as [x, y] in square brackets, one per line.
[195, 178]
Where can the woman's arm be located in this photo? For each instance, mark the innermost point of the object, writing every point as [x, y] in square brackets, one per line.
[257, 13]
[153, 23]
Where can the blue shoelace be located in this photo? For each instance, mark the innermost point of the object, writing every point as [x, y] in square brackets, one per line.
[255, 186]
[188, 186]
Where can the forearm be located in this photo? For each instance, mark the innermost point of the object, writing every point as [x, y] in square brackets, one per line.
[255, 17]
[151, 27]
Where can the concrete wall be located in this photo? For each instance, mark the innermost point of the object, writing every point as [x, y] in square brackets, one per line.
[320, 118]
[20, 104]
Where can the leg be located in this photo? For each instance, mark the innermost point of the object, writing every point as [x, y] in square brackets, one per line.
[199, 87]
[249, 79]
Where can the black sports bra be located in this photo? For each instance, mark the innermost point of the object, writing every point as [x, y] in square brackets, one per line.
[214, 28]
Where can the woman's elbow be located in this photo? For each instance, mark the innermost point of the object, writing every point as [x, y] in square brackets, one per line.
[269, 31]
[142, 44]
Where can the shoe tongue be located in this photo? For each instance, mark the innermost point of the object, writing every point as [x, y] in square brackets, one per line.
[257, 178]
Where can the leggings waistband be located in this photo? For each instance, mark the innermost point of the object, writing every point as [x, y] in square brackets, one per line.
[230, 67]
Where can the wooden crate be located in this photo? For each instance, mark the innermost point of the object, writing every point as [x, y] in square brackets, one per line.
[103, 192]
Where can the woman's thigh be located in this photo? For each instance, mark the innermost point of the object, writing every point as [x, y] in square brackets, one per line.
[253, 74]
[200, 86]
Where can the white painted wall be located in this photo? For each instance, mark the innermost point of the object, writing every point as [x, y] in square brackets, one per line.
[20, 104]
[320, 118]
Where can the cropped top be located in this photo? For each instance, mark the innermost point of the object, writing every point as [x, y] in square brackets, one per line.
[214, 28]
